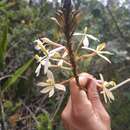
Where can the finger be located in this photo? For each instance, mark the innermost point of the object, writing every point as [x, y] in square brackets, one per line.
[66, 112]
[93, 95]
[75, 91]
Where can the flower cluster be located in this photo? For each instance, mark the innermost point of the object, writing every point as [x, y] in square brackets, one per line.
[55, 56]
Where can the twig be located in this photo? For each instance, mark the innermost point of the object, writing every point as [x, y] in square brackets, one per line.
[32, 114]
[58, 108]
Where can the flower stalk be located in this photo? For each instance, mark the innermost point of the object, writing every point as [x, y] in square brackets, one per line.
[68, 31]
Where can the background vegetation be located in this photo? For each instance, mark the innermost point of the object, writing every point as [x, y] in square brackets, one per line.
[22, 107]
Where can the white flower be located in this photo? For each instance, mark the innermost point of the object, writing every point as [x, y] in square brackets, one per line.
[37, 47]
[106, 92]
[99, 51]
[45, 40]
[50, 54]
[60, 63]
[41, 63]
[44, 61]
[85, 37]
[50, 85]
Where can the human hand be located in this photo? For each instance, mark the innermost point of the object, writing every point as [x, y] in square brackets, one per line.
[84, 110]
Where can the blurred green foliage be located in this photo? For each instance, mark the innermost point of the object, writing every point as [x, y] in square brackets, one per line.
[22, 22]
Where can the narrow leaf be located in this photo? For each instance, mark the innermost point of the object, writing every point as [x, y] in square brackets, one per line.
[17, 74]
[3, 45]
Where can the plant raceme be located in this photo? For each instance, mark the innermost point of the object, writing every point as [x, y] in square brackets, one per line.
[52, 55]
[56, 56]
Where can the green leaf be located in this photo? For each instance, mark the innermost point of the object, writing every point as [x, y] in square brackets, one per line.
[3, 45]
[17, 74]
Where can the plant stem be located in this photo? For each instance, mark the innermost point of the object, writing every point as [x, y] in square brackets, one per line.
[68, 35]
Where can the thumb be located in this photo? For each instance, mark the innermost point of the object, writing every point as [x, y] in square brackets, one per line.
[77, 95]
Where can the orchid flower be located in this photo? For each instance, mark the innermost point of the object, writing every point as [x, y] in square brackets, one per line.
[41, 63]
[43, 41]
[50, 54]
[46, 58]
[50, 85]
[99, 51]
[60, 63]
[86, 37]
[106, 92]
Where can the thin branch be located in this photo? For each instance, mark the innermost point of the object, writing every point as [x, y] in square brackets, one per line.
[32, 114]
[58, 108]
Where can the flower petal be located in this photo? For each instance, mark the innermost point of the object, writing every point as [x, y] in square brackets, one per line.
[42, 84]
[60, 63]
[51, 93]
[37, 48]
[106, 52]
[60, 87]
[46, 65]
[79, 34]
[110, 95]
[56, 21]
[50, 75]
[101, 77]
[105, 97]
[56, 49]
[90, 49]
[104, 57]
[46, 90]
[92, 37]
[86, 42]
[38, 70]
[100, 47]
